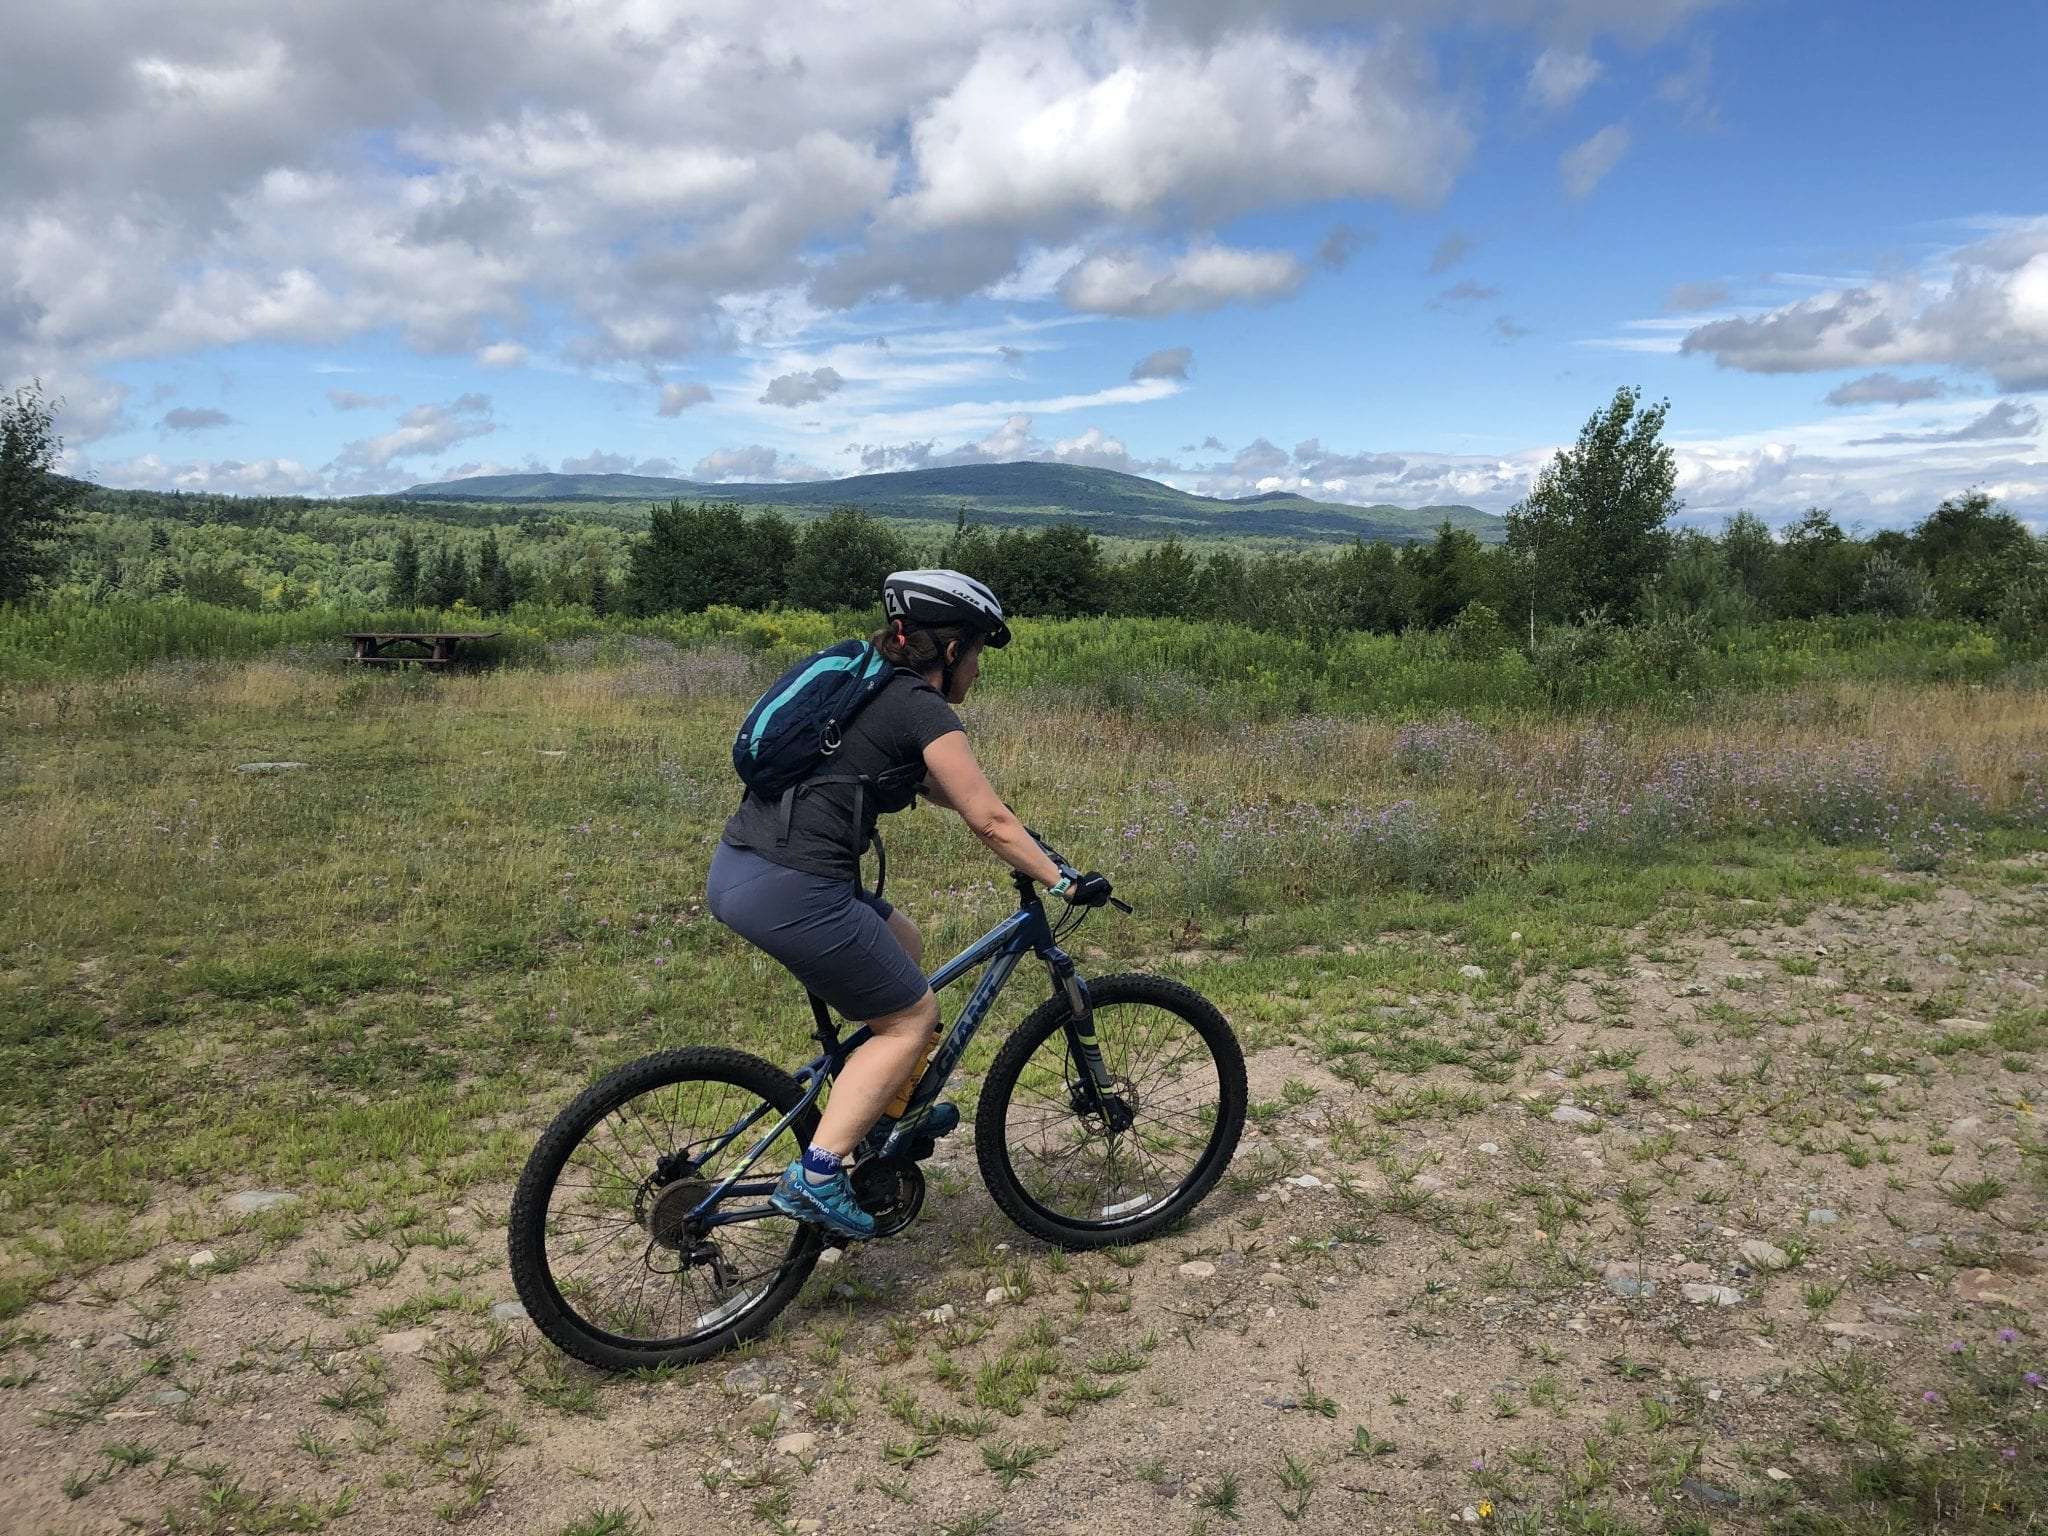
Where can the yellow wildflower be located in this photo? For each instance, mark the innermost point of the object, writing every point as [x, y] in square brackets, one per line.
[1486, 1509]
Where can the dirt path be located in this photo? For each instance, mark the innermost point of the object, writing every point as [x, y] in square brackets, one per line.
[1724, 1191]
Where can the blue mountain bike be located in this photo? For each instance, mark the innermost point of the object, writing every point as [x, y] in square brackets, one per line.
[641, 1232]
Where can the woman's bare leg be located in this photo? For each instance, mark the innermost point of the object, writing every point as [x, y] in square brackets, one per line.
[873, 1074]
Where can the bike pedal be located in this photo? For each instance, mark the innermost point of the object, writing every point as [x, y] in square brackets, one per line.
[922, 1148]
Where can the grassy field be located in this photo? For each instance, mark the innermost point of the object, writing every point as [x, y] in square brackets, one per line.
[1773, 939]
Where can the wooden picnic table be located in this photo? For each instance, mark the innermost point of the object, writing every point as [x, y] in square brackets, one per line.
[439, 646]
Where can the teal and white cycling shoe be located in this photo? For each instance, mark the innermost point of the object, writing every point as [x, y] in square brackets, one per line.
[829, 1204]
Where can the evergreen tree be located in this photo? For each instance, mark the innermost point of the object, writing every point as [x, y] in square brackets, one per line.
[600, 589]
[1056, 571]
[501, 591]
[841, 559]
[1593, 526]
[488, 563]
[1223, 590]
[1449, 574]
[1158, 582]
[1820, 568]
[693, 557]
[446, 580]
[497, 584]
[35, 501]
[1371, 589]
[1751, 554]
[1971, 549]
[771, 550]
[403, 586]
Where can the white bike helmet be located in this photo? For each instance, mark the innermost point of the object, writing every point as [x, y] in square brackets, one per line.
[924, 599]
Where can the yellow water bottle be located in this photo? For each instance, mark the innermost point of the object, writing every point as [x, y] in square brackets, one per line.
[902, 1100]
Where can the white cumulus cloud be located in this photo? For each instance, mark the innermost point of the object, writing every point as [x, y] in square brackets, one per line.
[1583, 166]
[1560, 76]
[1127, 282]
[1984, 307]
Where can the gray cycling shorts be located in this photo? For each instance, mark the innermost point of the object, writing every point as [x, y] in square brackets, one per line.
[831, 935]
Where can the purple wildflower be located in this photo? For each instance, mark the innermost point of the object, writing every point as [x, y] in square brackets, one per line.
[2008, 1335]
[1932, 1399]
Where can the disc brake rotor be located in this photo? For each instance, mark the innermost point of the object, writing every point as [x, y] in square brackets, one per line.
[1119, 1111]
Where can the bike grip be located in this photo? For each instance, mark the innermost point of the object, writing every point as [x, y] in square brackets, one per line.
[1121, 906]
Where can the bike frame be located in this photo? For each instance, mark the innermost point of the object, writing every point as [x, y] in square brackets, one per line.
[1025, 931]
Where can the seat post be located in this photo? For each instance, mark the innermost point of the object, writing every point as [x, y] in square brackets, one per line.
[828, 1034]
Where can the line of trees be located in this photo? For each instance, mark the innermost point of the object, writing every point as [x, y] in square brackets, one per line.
[1967, 559]
[1593, 541]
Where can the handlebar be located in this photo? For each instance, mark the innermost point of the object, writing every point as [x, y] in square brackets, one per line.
[1067, 866]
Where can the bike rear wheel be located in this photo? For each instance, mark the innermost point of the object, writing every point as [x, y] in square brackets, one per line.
[603, 1254]
[1059, 1169]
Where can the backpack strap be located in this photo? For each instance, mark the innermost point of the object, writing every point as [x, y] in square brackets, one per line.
[859, 781]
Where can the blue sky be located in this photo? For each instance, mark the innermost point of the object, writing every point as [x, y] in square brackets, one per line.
[1390, 252]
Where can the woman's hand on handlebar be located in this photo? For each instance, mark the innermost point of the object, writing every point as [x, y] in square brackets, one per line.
[1090, 890]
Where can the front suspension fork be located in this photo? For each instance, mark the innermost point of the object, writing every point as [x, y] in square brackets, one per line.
[1095, 1092]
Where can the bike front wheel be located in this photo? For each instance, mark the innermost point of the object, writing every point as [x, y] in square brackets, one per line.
[1064, 1170]
[607, 1258]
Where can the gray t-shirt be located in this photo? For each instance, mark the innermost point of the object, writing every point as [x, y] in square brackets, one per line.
[891, 732]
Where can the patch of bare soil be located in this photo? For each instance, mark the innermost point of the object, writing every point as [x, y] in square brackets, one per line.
[1733, 1164]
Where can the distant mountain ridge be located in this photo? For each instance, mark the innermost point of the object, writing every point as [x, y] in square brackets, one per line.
[1023, 494]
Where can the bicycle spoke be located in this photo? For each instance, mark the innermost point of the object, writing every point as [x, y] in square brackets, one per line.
[607, 1265]
[1163, 1075]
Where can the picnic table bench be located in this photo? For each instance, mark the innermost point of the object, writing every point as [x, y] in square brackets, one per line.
[439, 648]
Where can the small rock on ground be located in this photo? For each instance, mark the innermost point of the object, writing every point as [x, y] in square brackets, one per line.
[410, 1342]
[250, 1201]
[1764, 1255]
[1571, 1114]
[1719, 1295]
[509, 1312]
[200, 1259]
[1472, 972]
[1982, 1286]
[801, 1444]
[268, 767]
[1707, 1493]
[170, 1397]
[1821, 1216]
[1197, 1269]
[749, 1378]
[1879, 1080]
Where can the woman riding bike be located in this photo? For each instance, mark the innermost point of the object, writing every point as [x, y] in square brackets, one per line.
[786, 876]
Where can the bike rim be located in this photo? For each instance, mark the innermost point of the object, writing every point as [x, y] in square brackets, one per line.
[602, 1255]
[1079, 1172]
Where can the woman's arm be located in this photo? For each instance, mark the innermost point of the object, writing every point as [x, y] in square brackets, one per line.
[953, 772]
